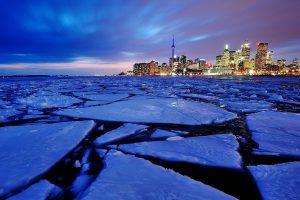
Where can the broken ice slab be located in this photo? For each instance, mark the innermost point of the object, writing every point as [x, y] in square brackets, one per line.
[38, 191]
[276, 133]
[247, 106]
[127, 177]
[48, 101]
[154, 110]
[105, 98]
[213, 150]
[29, 151]
[199, 96]
[6, 113]
[277, 182]
[159, 134]
[125, 131]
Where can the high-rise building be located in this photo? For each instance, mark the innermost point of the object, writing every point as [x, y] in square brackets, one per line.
[296, 62]
[261, 55]
[237, 59]
[226, 57]
[269, 58]
[153, 68]
[219, 61]
[246, 50]
[140, 69]
[182, 59]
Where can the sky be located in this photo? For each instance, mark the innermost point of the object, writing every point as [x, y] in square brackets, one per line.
[108, 36]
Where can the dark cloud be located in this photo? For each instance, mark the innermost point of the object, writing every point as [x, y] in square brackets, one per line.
[116, 31]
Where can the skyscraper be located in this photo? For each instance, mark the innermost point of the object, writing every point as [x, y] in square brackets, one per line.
[269, 57]
[226, 57]
[261, 55]
[219, 61]
[246, 50]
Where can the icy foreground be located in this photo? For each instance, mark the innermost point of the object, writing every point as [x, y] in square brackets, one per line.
[154, 110]
[127, 177]
[277, 133]
[164, 117]
[214, 150]
[277, 182]
[38, 191]
[6, 113]
[28, 151]
[120, 133]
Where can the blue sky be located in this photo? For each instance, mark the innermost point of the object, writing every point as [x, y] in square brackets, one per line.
[108, 36]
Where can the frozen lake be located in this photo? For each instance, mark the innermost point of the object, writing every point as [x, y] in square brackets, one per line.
[149, 137]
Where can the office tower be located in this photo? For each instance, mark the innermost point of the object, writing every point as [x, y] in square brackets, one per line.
[246, 50]
[261, 55]
[219, 61]
[226, 57]
[182, 59]
[269, 57]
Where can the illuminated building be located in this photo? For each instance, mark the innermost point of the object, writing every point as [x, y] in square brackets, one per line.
[246, 50]
[182, 59]
[269, 57]
[140, 69]
[146, 69]
[237, 59]
[219, 61]
[165, 70]
[296, 62]
[280, 63]
[226, 57]
[261, 55]
[153, 68]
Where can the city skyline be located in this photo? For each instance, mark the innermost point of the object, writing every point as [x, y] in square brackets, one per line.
[56, 37]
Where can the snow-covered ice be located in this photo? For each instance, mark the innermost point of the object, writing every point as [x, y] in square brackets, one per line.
[277, 182]
[105, 98]
[127, 177]
[159, 133]
[200, 96]
[154, 110]
[48, 101]
[125, 131]
[38, 191]
[6, 113]
[28, 151]
[276, 133]
[214, 150]
[248, 106]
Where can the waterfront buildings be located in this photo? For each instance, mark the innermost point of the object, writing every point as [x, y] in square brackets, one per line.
[238, 62]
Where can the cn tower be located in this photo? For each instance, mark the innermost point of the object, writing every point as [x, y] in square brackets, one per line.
[173, 50]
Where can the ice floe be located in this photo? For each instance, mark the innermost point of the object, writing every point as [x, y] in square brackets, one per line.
[127, 177]
[248, 106]
[154, 110]
[48, 101]
[39, 191]
[276, 133]
[6, 113]
[105, 98]
[125, 131]
[213, 150]
[277, 182]
[28, 151]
